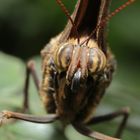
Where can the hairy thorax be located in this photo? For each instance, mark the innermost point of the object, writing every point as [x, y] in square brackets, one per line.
[77, 80]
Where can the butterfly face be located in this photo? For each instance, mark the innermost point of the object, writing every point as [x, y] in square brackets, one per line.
[80, 61]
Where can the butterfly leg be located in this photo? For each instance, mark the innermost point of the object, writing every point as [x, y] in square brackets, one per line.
[27, 117]
[90, 133]
[30, 70]
[123, 112]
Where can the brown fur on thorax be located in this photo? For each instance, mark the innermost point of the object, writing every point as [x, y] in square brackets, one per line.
[68, 105]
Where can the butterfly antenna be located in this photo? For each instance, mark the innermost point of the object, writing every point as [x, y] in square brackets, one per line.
[106, 19]
[64, 9]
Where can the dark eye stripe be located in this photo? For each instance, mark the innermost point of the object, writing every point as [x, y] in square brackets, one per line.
[90, 60]
[99, 60]
[93, 60]
[68, 54]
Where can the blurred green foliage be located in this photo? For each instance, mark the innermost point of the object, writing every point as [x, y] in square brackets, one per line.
[26, 26]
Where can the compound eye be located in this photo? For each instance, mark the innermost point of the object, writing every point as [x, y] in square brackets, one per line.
[96, 61]
[64, 55]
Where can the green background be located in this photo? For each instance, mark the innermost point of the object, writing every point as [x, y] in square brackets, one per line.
[26, 26]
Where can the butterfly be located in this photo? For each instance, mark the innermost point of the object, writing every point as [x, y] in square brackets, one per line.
[77, 67]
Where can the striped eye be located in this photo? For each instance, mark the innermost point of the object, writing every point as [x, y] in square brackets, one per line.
[96, 60]
[64, 55]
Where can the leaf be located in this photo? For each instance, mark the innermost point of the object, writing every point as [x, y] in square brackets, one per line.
[12, 75]
[11, 80]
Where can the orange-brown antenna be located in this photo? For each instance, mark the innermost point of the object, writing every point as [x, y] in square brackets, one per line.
[102, 23]
[64, 9]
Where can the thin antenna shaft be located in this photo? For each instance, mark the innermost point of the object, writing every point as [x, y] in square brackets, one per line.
[103, 22]
[59, 2]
